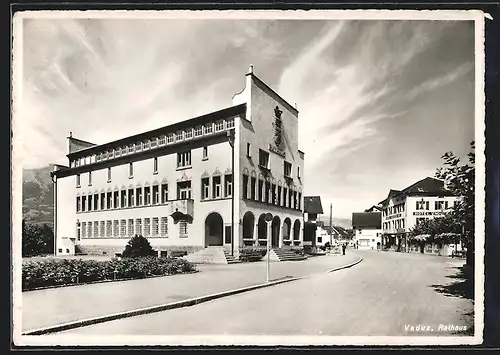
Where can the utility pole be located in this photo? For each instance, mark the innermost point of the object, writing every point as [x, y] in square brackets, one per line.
[331, 227]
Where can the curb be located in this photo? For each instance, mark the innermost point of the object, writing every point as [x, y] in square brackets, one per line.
[153, 309]
[346, 266]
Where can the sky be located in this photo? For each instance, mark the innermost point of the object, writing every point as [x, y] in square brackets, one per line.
[379, 101]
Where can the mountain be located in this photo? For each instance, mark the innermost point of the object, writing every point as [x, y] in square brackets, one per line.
[345, 223]
[38, 195]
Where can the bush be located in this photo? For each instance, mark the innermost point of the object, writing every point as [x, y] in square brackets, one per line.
[249, 255]
[59, 272]
[138, 247]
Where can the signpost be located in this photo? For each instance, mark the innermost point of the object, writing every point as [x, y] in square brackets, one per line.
[268, 218]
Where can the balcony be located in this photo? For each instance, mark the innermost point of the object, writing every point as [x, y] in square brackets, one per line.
[182, 209]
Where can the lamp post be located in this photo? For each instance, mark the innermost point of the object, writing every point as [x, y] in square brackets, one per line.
[268, 217]
[230, 136]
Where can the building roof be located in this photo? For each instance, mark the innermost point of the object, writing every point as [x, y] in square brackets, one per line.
[200, 120]
[366, 220]
[374, 208]
[312, 204]
[428, 186]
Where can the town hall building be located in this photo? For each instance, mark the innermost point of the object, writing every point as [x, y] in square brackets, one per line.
[206, 181]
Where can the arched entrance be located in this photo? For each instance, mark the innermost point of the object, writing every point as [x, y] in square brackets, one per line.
[296, 230]
[214, 229]
[248, 225]
[287, 226]
[275, 232]
[262, 228]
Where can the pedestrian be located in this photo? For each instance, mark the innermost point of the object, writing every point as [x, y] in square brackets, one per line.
[343, 249]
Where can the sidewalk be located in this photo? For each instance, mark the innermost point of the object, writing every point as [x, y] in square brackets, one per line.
[50, 307]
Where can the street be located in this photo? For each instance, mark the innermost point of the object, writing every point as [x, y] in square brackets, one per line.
[388, 294]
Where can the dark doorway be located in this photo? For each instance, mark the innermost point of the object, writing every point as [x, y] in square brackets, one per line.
[213, 229]
[275, 232]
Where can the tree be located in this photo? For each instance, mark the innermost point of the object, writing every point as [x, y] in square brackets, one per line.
[36, 240]
[459, 179]
[138, 247]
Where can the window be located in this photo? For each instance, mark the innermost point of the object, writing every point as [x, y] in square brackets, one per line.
[295, 204]
[287, 169]
[208, 128]
[89, 229]
[219, 126]
[138, 226]
[131, 148]
[96, 229]
[130, 198]
[96, 202]
[123, 200]
[285, 194]
[138, 196]
[198, 131]
[261, 187]
[123, 228]
[245, 187]
[155, 165]
[164, 193]
[156, 194]
[170, 138]
[147, 196]
[205, 153]
[84, 203]
[77, 180]
[230, 123]
[125, 150]
[278, 196]
[147, 227]
[138, 146]
[299, 202]
[111, 154]
[188, 133]
[154, 142]
[438, 205]
[184, 159]
[164, 226]
[109, 174]
[84, 229]
[179, 135]
[273, 194]
[290, 196]
[163, 140]
[320, 240]
[155, 227]
[102, 229]
[253, 181]
[183, 228]
[118, 152]
[205, 188]
[419, 205]
[263, 159]
[109, 200]
[184, 190]
[130, 227]
[98, 157]
[146, 145]
[267, 186]
[78, 204]
[298, 172]
[103, 201]
[249, 152]
[216, 192]
[445, 205]
[116, 199]
[115, 228]
[130, 170]
[90, 178]
[109, 228]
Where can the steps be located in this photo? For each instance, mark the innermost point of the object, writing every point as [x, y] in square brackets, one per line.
[284, 254]
[211, 255]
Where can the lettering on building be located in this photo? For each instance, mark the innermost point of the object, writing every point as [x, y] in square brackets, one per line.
[278, 133]
[427, 213]
[397, 215]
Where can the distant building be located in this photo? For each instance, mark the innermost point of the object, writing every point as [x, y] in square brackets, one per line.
[312, 209]
[206, 181]
[403, 209]
[374, 208]
[367, 230]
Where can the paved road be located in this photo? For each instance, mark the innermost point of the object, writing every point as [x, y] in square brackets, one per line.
[66, 304]
[376, 297]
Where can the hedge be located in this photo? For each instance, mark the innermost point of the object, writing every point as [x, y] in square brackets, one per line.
[60, 272]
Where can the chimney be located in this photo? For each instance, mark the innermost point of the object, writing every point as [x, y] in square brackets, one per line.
[70, 134]
[250, 69]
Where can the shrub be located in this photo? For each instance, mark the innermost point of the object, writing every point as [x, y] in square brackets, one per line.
[58, 272]
[249, 255]
[138, 247]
